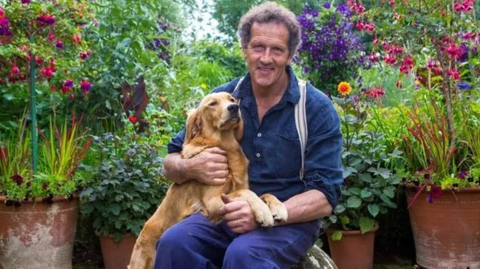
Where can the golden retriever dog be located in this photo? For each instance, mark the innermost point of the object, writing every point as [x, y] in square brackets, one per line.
[215, 123]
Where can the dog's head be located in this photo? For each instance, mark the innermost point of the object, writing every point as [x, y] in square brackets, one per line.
[217, 113]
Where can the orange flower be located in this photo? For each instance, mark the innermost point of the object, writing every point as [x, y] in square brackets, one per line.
[344, 88]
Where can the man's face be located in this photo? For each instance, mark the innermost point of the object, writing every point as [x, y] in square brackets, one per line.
[267, 54]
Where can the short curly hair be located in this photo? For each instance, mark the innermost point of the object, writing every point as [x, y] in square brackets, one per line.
[270, 12]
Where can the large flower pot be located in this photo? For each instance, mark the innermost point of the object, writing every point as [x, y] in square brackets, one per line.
[116, 255]
[447, 230]
[354, 251]
[38, 234]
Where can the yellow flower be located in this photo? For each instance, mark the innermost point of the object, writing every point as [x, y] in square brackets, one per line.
[203, 85]
[344, 88]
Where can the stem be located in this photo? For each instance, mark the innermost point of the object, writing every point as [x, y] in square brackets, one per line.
[33, 109]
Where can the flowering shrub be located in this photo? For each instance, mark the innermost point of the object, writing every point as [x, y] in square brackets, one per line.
[434, 43]
[370, 168]
[51, 33]
[331, 51]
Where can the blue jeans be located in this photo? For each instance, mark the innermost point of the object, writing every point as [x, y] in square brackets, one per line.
[196, 243]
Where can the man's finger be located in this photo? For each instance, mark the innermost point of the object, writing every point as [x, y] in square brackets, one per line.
[226, 199]
[216, 150]
[218, 181]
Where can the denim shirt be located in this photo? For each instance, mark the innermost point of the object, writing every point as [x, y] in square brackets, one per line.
[273, 147]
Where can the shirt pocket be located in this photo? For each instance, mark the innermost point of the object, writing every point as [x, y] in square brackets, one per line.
[287, 156]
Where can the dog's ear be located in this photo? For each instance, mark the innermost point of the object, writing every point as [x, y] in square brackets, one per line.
[194, 125]
[239, 130]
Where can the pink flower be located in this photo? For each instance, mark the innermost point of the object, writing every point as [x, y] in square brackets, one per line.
[51, 36]
[453, 73]
[15, 70]
[360, 26]
[77, 39]
[370, 27]
[373, 58]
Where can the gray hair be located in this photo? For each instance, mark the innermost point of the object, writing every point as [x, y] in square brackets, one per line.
[270, 12]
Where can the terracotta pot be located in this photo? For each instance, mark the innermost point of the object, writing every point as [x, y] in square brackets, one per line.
[38, 234]
[116, 255]
[447, 231]
[355, 250]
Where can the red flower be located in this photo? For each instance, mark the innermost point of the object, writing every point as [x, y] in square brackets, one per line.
[398, 84]
[51, 36]
[132, 119]
[17, 179]
[72, 97]
[360, 26]
[373, 58]
[2, 12]
[436, 192]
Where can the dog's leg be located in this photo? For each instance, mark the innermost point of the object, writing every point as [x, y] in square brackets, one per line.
[168, 213]
[278, 209]
[261, 211]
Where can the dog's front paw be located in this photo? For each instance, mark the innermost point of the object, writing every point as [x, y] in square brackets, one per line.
[263, 215]
[279, 213]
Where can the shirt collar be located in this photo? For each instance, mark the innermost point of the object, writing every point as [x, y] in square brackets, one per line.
[292, 94]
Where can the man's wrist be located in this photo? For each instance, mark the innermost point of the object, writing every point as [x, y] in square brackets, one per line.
[180, 167]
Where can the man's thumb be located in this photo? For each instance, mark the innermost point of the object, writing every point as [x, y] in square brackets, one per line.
[226, 199]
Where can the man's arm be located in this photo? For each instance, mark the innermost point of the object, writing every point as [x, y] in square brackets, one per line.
[209, 167]
[307, 206]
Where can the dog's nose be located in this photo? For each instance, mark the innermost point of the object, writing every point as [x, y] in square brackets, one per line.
[232, 108]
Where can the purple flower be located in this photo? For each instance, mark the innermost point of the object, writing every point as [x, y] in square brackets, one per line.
[25, 1]
[327, 5]
[343, 9]
[68, 83]
[314, 13]
[59, 44]
[464, 86]
[86, 86]
[462, 175]
[46, 19]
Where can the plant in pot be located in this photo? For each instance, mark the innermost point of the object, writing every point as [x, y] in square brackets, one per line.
[128, 186]
[436, 43]
[371, 179]
[40, 206]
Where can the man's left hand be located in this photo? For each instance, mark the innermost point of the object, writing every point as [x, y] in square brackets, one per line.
[238, 215]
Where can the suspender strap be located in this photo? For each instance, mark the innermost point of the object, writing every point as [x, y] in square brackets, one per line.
[301, 123]
[300, 120]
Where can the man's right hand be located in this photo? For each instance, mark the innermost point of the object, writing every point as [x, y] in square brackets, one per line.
[208, 167]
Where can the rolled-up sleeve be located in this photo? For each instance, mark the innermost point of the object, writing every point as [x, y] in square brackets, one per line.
[323, 161]
[176, 142]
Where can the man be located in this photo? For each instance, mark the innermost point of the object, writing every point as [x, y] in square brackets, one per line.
[270, 36]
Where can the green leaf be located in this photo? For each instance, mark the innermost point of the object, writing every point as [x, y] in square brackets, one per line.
[366, 224]
[354, 202]
[366, 194]
[123, 43]
[387, 201]
[389, 191]
[373, 209]
[115, 208]
[337, 236]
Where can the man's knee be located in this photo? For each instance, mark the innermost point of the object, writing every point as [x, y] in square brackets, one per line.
[242, 254]
[173, 239]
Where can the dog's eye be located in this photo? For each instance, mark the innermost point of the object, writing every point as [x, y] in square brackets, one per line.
[232, 99]
[214, 103]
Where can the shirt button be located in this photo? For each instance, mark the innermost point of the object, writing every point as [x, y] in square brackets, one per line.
[259, 134]
[258, 155]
